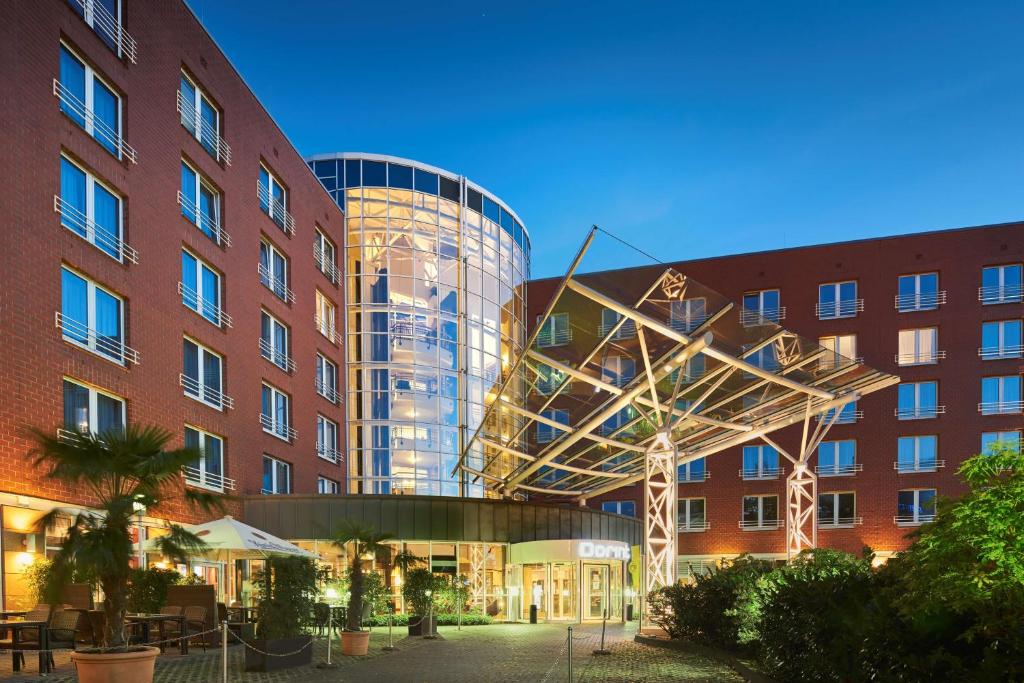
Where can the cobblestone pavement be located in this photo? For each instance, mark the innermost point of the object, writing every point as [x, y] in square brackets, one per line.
[498, 653]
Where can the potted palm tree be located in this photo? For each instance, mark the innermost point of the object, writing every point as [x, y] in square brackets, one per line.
[358, 539]
[125, 470]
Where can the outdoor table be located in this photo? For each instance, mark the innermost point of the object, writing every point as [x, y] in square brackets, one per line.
[9, 613]
[147, 620]
[17, 627]
[246, 614]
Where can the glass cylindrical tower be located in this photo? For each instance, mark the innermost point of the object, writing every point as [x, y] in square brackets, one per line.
[435, 270]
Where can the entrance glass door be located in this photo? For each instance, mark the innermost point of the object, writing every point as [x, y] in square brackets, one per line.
[596, 590]
[563, 590]
[535, 590]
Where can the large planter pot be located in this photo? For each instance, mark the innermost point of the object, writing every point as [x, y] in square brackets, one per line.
[116, 667]
[420, 625]
[355, 642]
[298, 651]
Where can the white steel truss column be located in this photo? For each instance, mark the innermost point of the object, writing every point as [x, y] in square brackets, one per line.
[801, 510]
[660, 493]
[477, 575]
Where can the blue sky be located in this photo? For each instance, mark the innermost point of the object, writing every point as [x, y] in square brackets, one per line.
[690, 128]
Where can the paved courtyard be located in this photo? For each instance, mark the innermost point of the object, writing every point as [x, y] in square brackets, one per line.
[500, 652]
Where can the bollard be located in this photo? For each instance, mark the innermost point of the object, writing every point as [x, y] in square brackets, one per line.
[460, 616]
[330, 627]
[224, 648]
[431, 627]
[570, 654]
[391, 643]
[604, 625]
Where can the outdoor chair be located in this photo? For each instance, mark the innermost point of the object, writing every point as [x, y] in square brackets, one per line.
[18, 641]
[64, 627]
[195, 620]
[170, 609]
[321, 616]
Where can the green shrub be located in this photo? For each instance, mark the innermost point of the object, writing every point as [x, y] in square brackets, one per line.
[443, 619]
[449, 592]
[285, 593]
[414, 590]
[147, 588]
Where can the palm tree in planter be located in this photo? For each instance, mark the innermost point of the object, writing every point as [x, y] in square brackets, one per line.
[359, 540]
[124, 470]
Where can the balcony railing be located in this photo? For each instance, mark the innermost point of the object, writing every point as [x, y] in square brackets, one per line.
[1000, 407]
[205, 394]
[1003, 351]
[838, 470]
[557, 338]
[919, 412]
[1001, 294]
[764, 316]
[275, 284]
[925, 301]
[208, 136]
[279, 429]
[839, 522]
[108, 27]
[215, 314]
[695, 478]
[913, 520]
[326, 328]
[275, 209]
[325, 266]
[920, 466]
[99, 128]
[328, 453]
[101, 238]
[276, 356]
[760, 525]
[207, 224]
[838, 309]
[626, 331]
[845, 418]
[326, 390]
[761, 473]
[207, 480]
[617, 380]
[692, 527]
[920, 358]
[88, 338]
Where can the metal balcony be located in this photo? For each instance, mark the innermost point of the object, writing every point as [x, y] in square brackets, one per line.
[207, 480]
[326, 329]
[686, 324]
[327, 453]
[275, 209]
[838, 309]
[1002, 294]
[760, 525]
[695, 478]
[626, 331]
[279, 429]
[1003, 351]
[94, 126]
[1000, 407]
[275, 285]
[208, 136]
[693, 527]
[211, 312]
[846, 418]
[840, 522]
[326, 267]
[101, 238]
[920, 412]
[278, 358]
[913, 520]
[79, 334]
[920, 358]
[204, 222]
[764, 316]
[327, 391]
[761, 473]
[925, 301]
[838, 470]
[205, 394]
[915, 467]
[108, 27]
[554, 338]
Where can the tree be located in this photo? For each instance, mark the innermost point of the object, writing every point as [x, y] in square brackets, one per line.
[358, 539]
[124, 470]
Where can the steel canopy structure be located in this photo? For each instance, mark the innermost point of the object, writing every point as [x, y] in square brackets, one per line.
[629, 375]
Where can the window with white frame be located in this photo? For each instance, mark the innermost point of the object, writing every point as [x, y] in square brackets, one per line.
[837, 458]
[326, 438]
[693, 369]
[274, 340]
[326, 378]
[837, 510]
[90, 410]
[325, 255]
[764, 358]
[200, 204]
[760, 512]
[611, 318]
[277, 476]
[919, 292]
[273, 270]
[917, 454]
[618, 370]
[207, 470]
[327, 487]
[202, 375]
[1002, 284]
[690, 514]
[693, 471]
[761, 307]
[915, 506]
[1001, 339]
[760, 462]
[275, 413]
[325, 317]
[274, 200]
[918, 401]
[549, 379]
[555, 331]
[547, 432]
[92, 317]
[619, 507]
[201, 289]
[93, 211]
[848, 414]
[91, 103]
[1011, 439]
[919, 346]
[842, 350]
[201, 117]
[616, 424]
[104, 17]
[688, 314]
[1000, 395]
[838, 300]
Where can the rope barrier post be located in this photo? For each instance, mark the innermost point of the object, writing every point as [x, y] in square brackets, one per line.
[460, 615]
[330, 627]
[224, 648]
[431, 626]
[569, 648]
[604, 625]
[391, 643]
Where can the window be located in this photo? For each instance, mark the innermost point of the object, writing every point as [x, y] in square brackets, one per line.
[838, 300]
[837, 510]
[619, 507]
[91, 103]
[760, 462]
[274, 200]
[326, 378]
[618, 370]
[918, 401]
[693, 471]
[1001, 284]
[202, 375]
[324, 253]
[843, 348]
[200, 204]
[848, 414]
[325, 317]
[919, 347]
[690, 515]
[547, 432]
[555, 331]
[1000, 339]
[104, 17]
[1010, 438]
[549, 379]
[275, 413]
[201, 289]
[274, 272]
[93, 317]
[326, 438]
[325, 486]
[277, 476]
[761, 307]
[688, 314]
[919, 293]
[206, 471]
[274, 342]
[201, 117]
[760, 512]
[90, 410]
[917, 454]
[92, 211]
[1000, 395]
[763, 358]
[618, 422]
[609, 319]
[915, 506]
[837, 458]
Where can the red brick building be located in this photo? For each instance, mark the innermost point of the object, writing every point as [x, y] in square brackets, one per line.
[167, 258]
[942, 310]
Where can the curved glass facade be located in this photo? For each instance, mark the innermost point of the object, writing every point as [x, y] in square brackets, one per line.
[435, 272]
